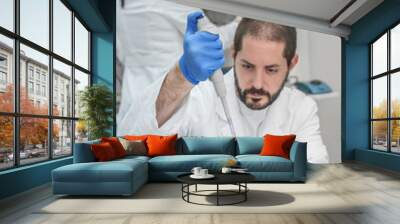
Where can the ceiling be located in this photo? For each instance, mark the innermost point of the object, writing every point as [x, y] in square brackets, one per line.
[326, 16]
[320, 9]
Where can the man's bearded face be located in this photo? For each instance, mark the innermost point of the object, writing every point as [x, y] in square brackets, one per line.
[260, 71]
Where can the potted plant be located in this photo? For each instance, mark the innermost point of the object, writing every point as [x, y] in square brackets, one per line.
[96, 103]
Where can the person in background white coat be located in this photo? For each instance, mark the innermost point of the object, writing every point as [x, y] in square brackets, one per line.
[149, 41]
[183, 101]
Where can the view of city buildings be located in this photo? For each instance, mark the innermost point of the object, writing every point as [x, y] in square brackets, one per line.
[34, 99]
[52, 71]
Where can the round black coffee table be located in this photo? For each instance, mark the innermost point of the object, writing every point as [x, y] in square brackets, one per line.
[238, 179]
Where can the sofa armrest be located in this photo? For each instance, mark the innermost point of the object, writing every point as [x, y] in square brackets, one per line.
[298, 155]
[83, 152]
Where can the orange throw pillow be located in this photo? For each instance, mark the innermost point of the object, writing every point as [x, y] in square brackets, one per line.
[275, 145]
[103, 151]
[116, 145]
[136, 137]
[161, 145]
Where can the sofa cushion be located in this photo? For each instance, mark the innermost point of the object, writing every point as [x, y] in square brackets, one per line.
[136, 137]
[277, 145]
[132, 158]
[111, 171]
[206, 145]
[135, 147]
[161, 145]
[185, 163]
[249, 145]
[257, 163]
[93, 172]
[83, 152]
[116, 145]
[103, 152]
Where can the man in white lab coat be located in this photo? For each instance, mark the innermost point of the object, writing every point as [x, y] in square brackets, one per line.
[183, 101]
[149, 41]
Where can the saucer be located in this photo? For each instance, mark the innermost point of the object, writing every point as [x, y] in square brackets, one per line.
[240, 171]
[208, 176]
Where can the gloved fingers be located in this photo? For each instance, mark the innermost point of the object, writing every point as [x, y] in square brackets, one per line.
[208, 68]
[216, 44]
[207, 36]
[191, 26]
[215, 54]
[217, 64]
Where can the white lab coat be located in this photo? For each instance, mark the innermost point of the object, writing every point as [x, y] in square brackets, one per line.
[149, 41]
[201, 114]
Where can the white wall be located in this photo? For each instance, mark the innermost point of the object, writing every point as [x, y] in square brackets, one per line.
[320, 58]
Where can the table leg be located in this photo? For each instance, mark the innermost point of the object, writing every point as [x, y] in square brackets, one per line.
[217, 194]
[196, 188]
[245, 191]
[188, 189]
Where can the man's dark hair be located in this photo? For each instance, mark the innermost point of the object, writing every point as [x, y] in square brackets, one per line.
[266, 31]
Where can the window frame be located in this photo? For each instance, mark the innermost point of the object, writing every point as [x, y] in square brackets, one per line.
[3, 71]
[3, 77]
[6, 61]
[388, 74]
[16, 114]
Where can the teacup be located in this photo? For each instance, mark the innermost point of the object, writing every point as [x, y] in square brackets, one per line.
[196, 170]
[203, 172]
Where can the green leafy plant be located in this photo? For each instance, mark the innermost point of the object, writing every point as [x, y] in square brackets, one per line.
[96, 103]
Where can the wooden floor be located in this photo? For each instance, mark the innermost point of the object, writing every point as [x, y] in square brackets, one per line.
[378, 188]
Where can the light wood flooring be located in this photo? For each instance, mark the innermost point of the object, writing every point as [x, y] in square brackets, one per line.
[378, 188]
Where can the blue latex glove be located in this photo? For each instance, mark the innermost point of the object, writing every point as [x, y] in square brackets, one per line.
[202, 52]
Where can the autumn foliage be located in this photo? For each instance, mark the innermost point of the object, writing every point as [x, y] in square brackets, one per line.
[380, 127]
[33, 131]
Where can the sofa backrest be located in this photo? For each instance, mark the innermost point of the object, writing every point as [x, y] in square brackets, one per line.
[206, 145]
[83, 152]
[192, 146]
[249, 145]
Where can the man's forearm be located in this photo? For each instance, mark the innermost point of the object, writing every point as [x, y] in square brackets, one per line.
[173, 90]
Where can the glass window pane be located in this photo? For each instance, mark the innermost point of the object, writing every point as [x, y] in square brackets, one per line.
[62, 138]
[7, 14]
[379, 97]
[81, 131]
[62, 89]
[379, 135]
[395, 136]
[395, 94]
[6, 74]
[81, 45]
[33, 139]
[379, 55]
[34, 72]
[6, 142]
[62, 29]
[395, 47]
[35, 21]
[81, 81]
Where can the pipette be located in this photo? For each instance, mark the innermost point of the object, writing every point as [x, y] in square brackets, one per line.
[218, 77]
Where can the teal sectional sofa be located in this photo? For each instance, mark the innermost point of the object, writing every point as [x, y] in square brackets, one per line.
[125, 176]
